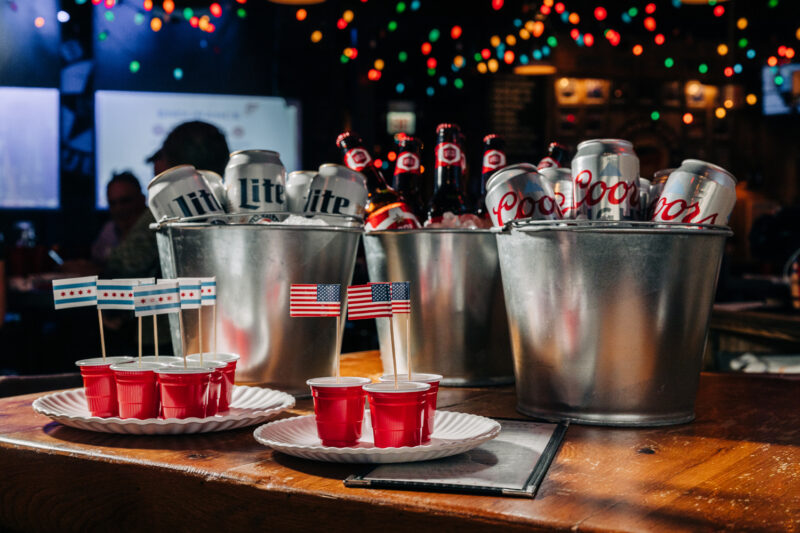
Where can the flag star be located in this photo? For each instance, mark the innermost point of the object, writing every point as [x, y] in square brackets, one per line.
[191, 294]
[169, 298]
[160, 298]
[63, 293]
[105, 294]
[130, 295]
[80, 292]
[114, 294]
[71, 293]
[143, 300]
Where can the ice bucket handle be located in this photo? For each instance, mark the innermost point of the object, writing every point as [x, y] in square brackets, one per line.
[613, 226]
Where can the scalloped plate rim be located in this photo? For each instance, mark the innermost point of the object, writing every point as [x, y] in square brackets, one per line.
[462, 445]
[283, 401]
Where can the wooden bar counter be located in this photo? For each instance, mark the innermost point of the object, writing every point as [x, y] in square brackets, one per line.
[737, 467]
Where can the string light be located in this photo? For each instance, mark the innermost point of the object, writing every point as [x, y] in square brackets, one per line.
[751, 99]
[374, 75]
[728, 103]
[637, 50]
[741, 23]
[720, 112]
[38, 22]
[574, 18]
[316, 36]
[155, 24]
[600, 13]
[688, 118]
[392, 25]
[650, 24]
[168, 6]
[400, 87]
[559, 7]
[493, 65]
[495, 41]
[659, 39]
[669, 62]
[588, 39]
[431, 62]
[301, 14]
[178, 73]
[134, 66]
[459, 61]
[722, 49]
[426, 48]
[455, 32]
[702, 68]
[402, 56]
[728, 71]
[434, 35]
[482, 67]
[719, 10]
[511, 40]
[508, 57]
[650, 8]
[215, 9]
[772, 61]
[379, 64]
[458, 83]
[524, 34]
[655, 115]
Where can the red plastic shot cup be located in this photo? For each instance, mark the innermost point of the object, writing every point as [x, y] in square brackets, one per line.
[215, 382]
[184, 391]
[339, 409]
[228, 375]
[99, 385]
[397, 414]
[430, 398]
[137, 389]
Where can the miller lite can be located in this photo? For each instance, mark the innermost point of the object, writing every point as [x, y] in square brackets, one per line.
[297, 185]
[181, 192]
[214, 182]
[336, 190]
[517, 192]
[560, 180]
[605, 175]
[255, 181]
[697, 192]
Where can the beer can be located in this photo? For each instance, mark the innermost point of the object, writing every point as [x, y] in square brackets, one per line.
[516, 195]
[255, 182]
[214, 182]
[697, 192]
[336, 190]
[560, 180]
[645, 188]
[181, 192]
[657, 183]
[297, 185]
[605, 174]
[509, 171]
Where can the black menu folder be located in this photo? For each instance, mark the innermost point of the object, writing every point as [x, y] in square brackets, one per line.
[512, 464]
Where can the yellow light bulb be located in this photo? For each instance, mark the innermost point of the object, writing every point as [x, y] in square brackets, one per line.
[751, 99]
[524, 34]
[316, 36]
[493, 65]
[741, 23]
[495, 40]
[720, 112]
[728, 103]
[511, 40]
[722, 49]
[482, 67]
[379, 64]
[348, 16]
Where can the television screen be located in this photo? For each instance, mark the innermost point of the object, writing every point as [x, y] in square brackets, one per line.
[29, 148]
[131, 126]
[777, 97]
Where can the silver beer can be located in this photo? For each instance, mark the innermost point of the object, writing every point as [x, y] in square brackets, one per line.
[645, 188]
[560, 179]
[297, 186]
[697, 192]
[517, 193]
[214, 182]
[605, 173]
[509, 171]
[255, 182]
[181, 192]
[337, 190]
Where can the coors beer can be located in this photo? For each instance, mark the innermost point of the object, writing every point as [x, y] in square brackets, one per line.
[517, 192]
[337, 190]
[255, 181]
[697, 192]
[605, 173]
[297, 185]
[560, 180]
[181, 192]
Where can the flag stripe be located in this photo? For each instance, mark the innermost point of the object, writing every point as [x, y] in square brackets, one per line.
[307, 300]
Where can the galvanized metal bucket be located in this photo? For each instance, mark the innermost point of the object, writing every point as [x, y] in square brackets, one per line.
[608, 320]
[458, 317]
[255, 264]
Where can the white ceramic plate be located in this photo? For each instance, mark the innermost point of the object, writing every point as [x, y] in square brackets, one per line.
[249, 406]
[453, 433]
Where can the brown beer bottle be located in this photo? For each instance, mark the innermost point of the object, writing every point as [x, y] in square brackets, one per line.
[447, 195]
[407, 172]
[494, 158]
[386, 208]
[557, 156]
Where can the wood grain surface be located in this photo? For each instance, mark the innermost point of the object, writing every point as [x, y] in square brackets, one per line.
[737, 467]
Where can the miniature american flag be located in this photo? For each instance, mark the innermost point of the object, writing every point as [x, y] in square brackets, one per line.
[190, 293]
[373, 300]
[322, 299]
[116, 293]
[401, 297]
[75, 292]
[158, 299]
[208, 291]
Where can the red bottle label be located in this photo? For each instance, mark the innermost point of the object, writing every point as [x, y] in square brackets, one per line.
[493, 160]
[448, 155]
[357, 159]
[392, 216]
[407, 162]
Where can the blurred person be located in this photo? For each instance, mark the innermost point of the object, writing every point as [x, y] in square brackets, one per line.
[126, 204]
[195, 143]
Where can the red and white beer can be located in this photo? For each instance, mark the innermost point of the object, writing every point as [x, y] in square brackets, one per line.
[255, 181]
[516, 192]
[605, 174]
[181, 192]
[560, 180]
[697, 192]
[336, 190]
